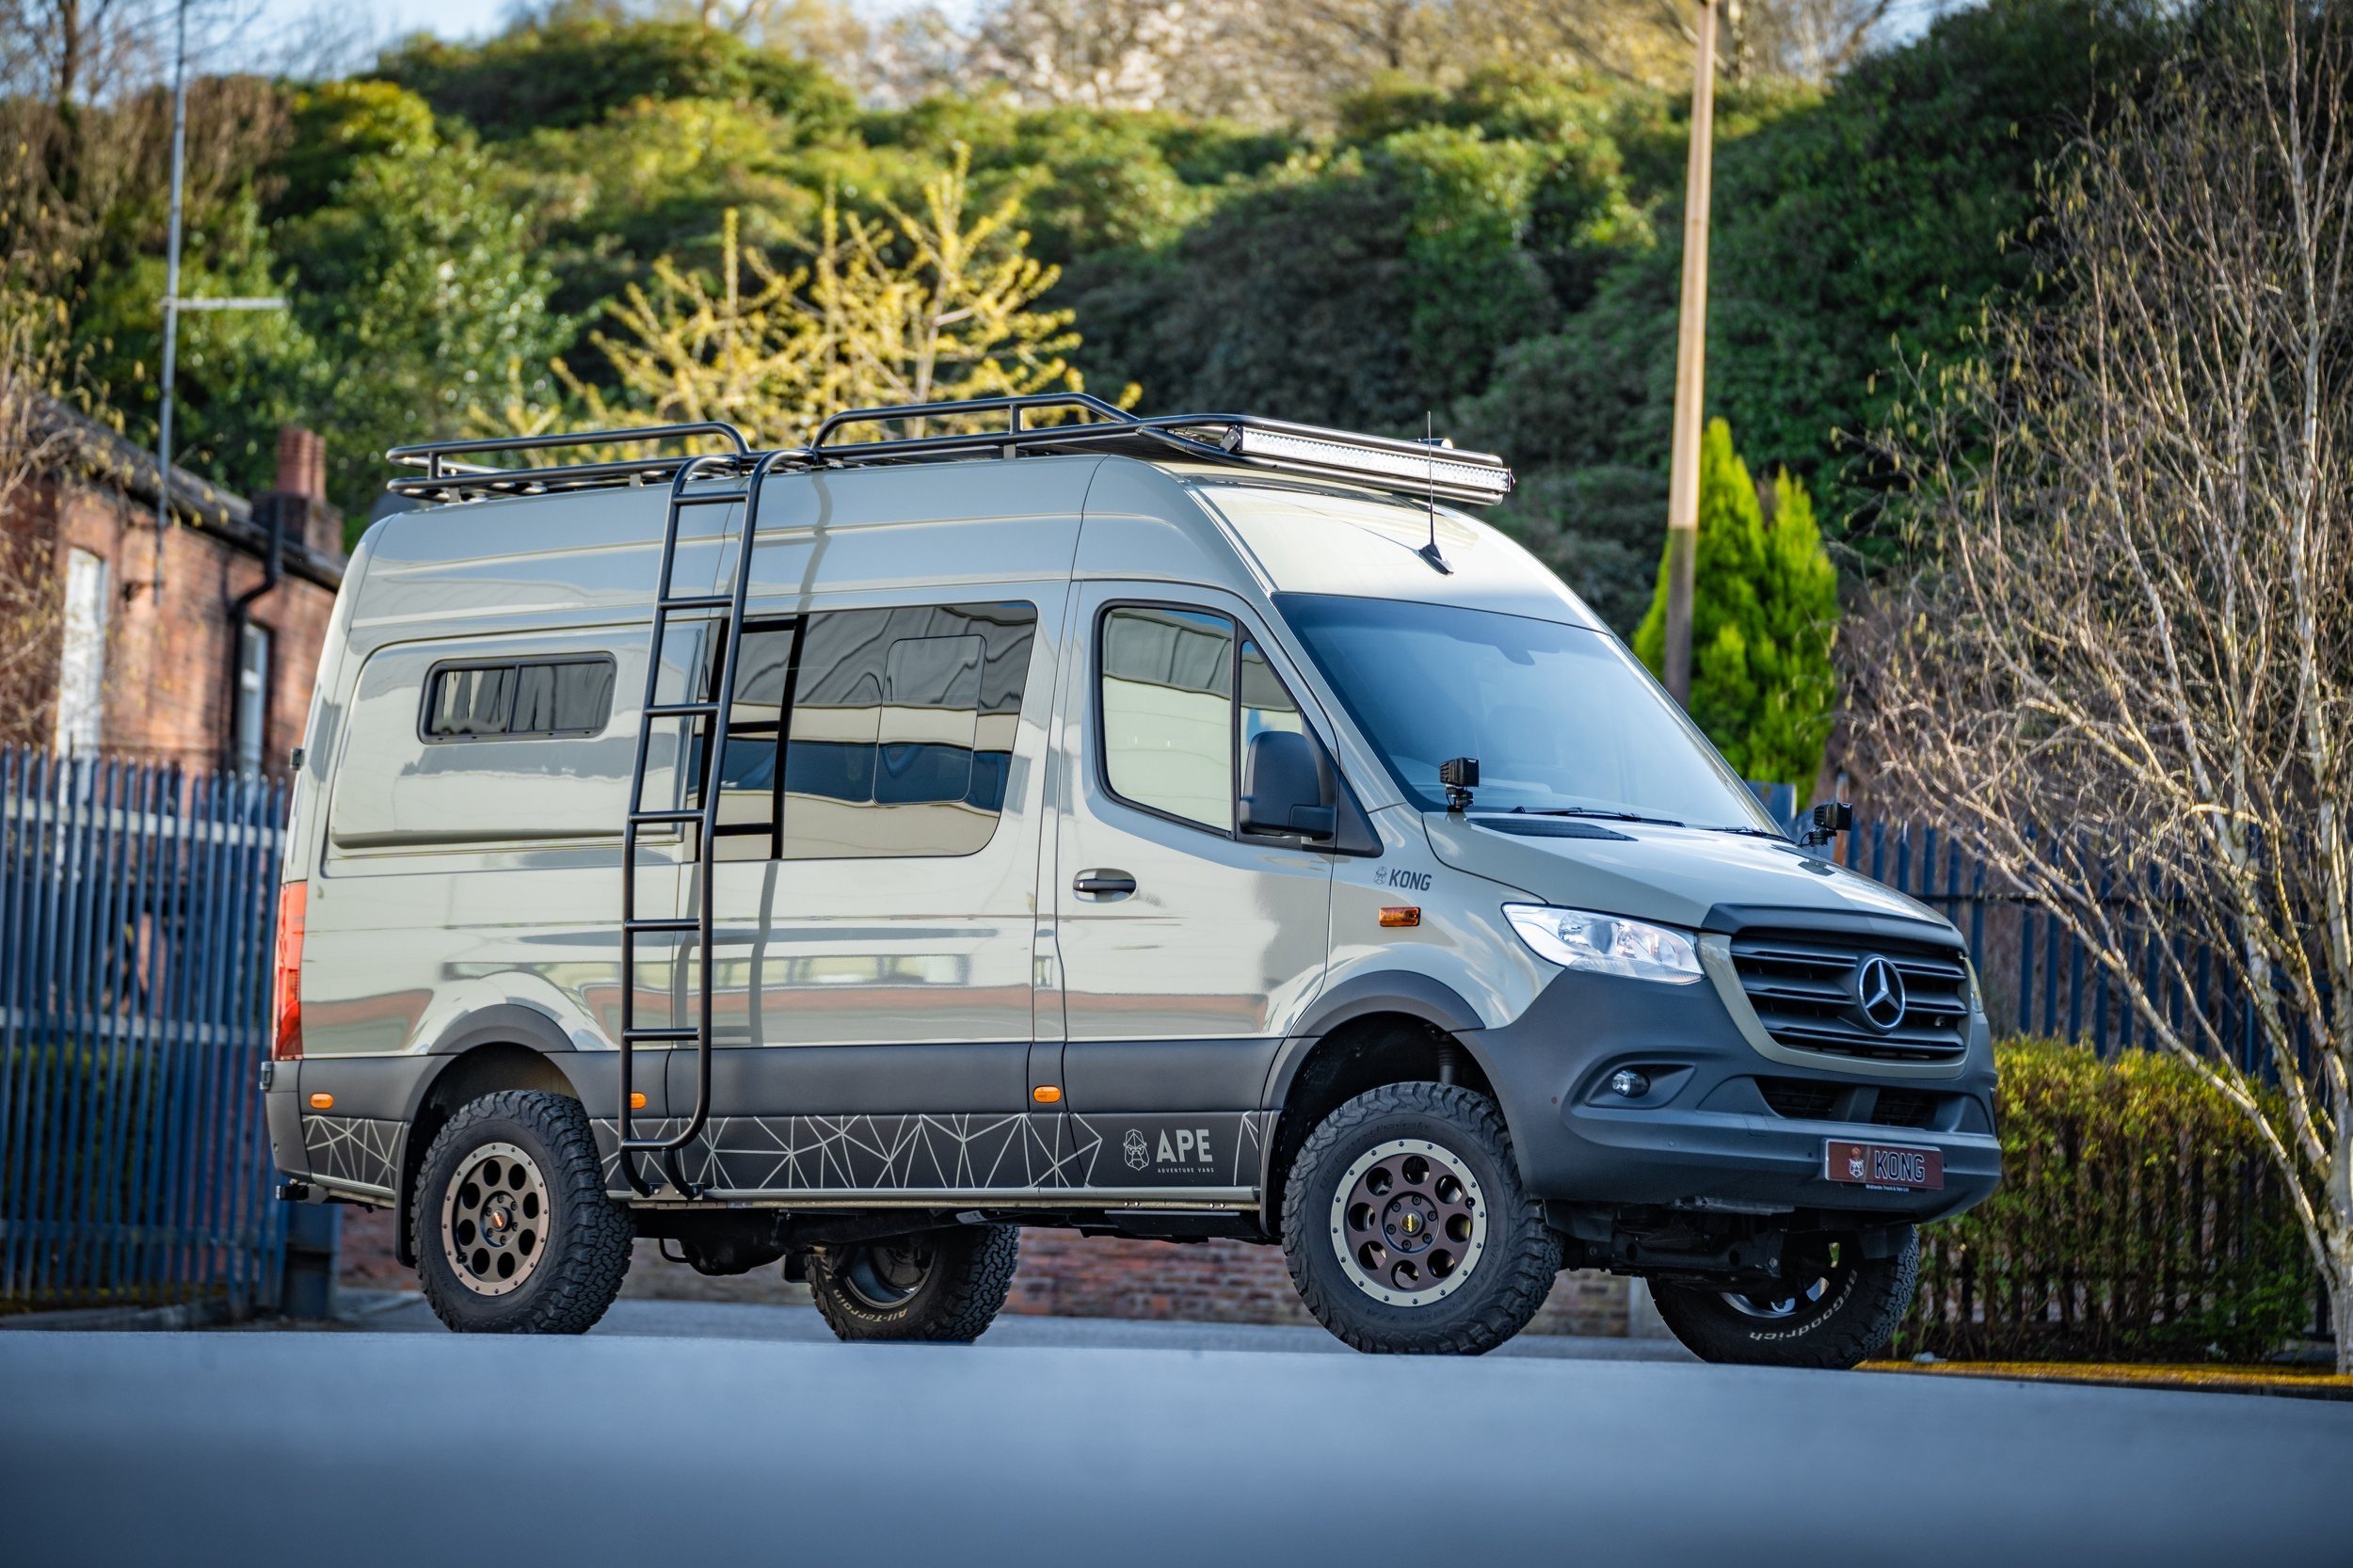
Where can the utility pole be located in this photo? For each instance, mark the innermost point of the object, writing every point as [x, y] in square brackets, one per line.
[1683, 489]
[173, 304]
[171, 292]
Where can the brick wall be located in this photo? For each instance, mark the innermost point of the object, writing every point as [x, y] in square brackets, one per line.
[169, 661]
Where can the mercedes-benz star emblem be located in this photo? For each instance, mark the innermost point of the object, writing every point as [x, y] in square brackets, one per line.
[1879, 993]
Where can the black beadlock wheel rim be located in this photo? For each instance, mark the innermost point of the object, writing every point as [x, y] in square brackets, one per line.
[1409, 1222]
[496, 1219]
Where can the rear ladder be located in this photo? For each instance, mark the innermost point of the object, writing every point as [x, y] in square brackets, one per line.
[713, 712]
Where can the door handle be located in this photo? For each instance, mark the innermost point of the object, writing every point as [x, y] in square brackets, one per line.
[1103, 884]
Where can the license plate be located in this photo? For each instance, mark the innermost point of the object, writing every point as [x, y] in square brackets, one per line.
[1890, 1167]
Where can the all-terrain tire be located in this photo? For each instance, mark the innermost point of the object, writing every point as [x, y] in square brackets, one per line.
[944, 1285]
[575, 1267]
[1862, 1300]
[1499, 1289]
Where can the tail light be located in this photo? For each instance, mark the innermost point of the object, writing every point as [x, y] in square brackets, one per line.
[286, 989]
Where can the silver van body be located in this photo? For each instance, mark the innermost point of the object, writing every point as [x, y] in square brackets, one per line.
[1055, 987]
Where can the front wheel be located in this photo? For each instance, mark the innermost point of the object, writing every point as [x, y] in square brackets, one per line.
[1838, 1309]
[1406, 1226]
[941, 1285]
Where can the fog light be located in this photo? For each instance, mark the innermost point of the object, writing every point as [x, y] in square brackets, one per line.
[1628, 1083]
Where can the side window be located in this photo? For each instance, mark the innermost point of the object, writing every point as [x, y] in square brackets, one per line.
[1167, 684]
[515, 699]
[897, 739]
[748, 773]
[1265, 705]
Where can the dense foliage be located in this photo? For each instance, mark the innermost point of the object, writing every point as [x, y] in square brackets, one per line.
[1501, 253]
[2138, 1219]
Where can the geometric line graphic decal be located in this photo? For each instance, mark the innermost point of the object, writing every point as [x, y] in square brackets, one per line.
[958, 1151]
[354, 1149]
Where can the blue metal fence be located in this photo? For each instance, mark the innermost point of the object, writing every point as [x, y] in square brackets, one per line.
[2038, 978]
[135, 909]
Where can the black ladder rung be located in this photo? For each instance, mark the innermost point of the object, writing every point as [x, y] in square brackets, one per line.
[692, 813]
[710, 498]
[661, 1035]
[698, 601]
[678, 711]
[689, 924]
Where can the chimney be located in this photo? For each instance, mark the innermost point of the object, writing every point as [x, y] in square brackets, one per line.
[302, 464]
[302, 487]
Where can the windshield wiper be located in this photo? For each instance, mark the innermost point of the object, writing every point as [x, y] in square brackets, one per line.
[1772, 833]
[1592, 811]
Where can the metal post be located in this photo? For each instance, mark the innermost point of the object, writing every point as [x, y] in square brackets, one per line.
[1683, 494]
[171, 290]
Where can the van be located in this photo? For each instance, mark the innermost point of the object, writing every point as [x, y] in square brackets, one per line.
[1201, 826]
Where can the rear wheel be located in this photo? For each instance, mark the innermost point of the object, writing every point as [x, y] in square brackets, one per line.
[1407, 1229]
[940, 1285]
[1838, 1309]
[512, 1229]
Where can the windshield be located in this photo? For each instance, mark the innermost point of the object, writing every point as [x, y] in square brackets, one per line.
[1559, 717]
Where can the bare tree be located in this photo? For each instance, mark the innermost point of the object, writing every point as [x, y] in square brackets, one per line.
[79, 51]
[2126, 668]
[32, 443]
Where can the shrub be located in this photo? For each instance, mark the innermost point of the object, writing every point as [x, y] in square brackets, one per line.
[2136, 1219]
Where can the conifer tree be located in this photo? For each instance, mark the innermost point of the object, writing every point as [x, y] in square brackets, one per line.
[1763, 614]
[932, 305]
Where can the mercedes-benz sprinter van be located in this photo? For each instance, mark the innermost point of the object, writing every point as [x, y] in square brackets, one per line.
[844, 855]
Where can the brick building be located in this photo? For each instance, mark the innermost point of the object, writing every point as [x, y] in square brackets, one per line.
[195, 644]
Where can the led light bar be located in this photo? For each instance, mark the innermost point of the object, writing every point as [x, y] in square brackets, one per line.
[1454, 475]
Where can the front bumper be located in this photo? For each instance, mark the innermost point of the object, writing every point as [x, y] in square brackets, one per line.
[1705, 1137]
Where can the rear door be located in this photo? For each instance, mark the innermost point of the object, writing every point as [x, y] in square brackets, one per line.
[1186, 947]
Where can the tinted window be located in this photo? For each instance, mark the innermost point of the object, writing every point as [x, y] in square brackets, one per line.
[897, 740]
[1167, 679]
[520, 697]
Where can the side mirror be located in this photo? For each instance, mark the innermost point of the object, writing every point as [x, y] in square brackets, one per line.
[1282, 782]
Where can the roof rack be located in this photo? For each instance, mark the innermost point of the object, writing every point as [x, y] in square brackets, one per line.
[1434, 469]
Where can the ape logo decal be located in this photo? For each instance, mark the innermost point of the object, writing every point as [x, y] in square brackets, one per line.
[1138, 1154]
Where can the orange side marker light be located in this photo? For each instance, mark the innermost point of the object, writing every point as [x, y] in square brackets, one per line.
[637, 1099]
[322, 1102]
[1046, 1093]
[1401, 914]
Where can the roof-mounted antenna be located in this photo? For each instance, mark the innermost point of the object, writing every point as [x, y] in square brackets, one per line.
[1430, 441]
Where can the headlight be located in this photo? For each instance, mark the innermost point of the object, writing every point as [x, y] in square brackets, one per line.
[1605, 944]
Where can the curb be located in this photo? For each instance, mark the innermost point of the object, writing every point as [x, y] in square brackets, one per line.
[2183, 1380]
[208, 1313]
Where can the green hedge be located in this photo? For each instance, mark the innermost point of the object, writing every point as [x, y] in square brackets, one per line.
[2138, 1219]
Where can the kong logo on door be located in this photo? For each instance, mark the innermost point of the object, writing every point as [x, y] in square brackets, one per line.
[1139, 1153]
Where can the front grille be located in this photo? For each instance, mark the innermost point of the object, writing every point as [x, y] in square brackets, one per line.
[1803, 985]
[1906, 1108]
[1799, 1098]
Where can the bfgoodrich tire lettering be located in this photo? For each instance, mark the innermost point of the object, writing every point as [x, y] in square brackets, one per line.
[942, 1284]
[1842, 1315]
[543, 1155]
[1407, 1296]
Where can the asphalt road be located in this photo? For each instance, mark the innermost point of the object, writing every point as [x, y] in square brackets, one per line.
[360, 1448]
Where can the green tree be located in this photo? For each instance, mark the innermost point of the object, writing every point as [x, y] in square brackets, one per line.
[937, 304]
[1764, 613]
[415, 281]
